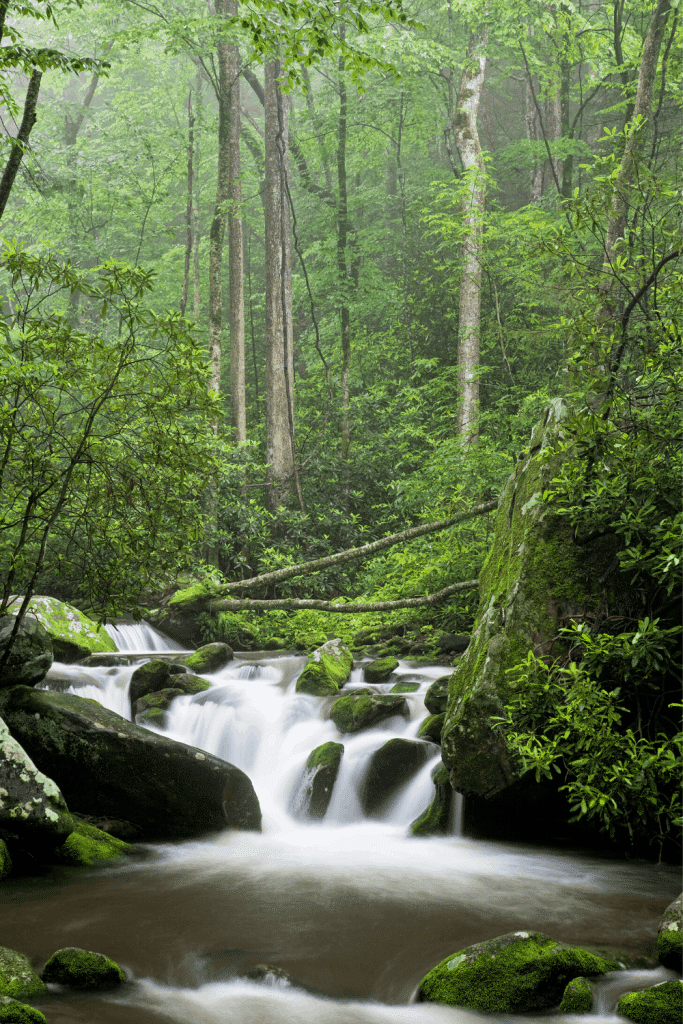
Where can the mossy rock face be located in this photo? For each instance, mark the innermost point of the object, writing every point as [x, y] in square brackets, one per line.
[197, 594]
[577, 997]
[661, 1004]
[110, 768]
[379, 671]
[73, 634]
[322, 768]
[79, 968]
[18, 980]
[31, 655]
[209, 658]
[670, 935]
[389, 768]
[86, 845]
[523, 972]
[534, 580]
[435, 820]
[431, 728]
[327, 668]
[404, 687]
[14, 1012]
[436, 697]
[360, 709]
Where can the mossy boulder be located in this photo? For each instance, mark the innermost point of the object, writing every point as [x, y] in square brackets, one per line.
[670, 935]
[152, 676]
[431, 728]
[534, 580]
[82, 969]
[522, 972]
[18, 980]
[661, 1004]
[209, 658]
[31, 655]
[327, 668]
[86, 845]
[158, 702]
[436, 697]
[108, 767]
[435, 821]
[389, 768]
[379, 671]
[404, 687]
[322, 768]
[453, 643]
[361, 709]
[182, 685]
[14, 1012]
[577, 997]
[73, 634]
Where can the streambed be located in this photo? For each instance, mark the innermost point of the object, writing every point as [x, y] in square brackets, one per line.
[351, 907]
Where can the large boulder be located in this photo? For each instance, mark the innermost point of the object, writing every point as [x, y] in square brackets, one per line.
[661, 1004]
[534, 581]
[322, 768]
[18, 980]
[106, 766]
[153, 676]
[670, 935]
[82, 969]
[363, 708]
[73, 634]
[161, 700]
[12, 1011]
[523, 972]
[389, 768]
[435, 821]
[209, 658]
[31, 655]
[379, 671]
[327, 668]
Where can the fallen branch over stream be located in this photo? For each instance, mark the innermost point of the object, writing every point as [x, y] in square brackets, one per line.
[293, 603]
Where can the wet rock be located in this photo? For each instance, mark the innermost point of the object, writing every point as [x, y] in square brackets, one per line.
[431, 728]
[18, 980]
[81, 969]
[183, 685]
[322, 768]
[14, 1012]
[670, 935]
[31, 655]
[108, 767]
[523, 972]
[389, 768]
[86, 845]
[361, 708]
[379, 671]
[326, 670]
[661, 1004]
[453, 643]
[73, 634]
[159, 702]
[435, 821]
[149, 678]
[209, 658]
[269, 975]
[404, 687]
[436, 697]
[577, 997]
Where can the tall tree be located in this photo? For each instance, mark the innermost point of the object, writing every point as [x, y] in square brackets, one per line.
[238, 403]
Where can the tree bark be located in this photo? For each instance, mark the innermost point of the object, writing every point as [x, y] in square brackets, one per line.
[238, 401]
[293, 603]
[217, 234]
[188, 212]
[343, 274]
[21, 141]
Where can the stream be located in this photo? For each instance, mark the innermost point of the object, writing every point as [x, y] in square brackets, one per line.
[351, 907]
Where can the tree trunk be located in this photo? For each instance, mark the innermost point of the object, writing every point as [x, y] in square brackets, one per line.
[343, 275]
[467, 141]
[222, 195]
[188, 212]
[19, 144]
[238, 401]
[293, 603]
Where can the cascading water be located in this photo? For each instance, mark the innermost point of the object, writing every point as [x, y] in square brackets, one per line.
[351, 906]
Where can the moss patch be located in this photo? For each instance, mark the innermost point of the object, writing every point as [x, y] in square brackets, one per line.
[404, 688]
[72, 633]
[662, 1004]
[17, 978]
[88, 844]
[431, 728]
[379, 671]
[14, 1012]
[79, 968]
[209, 658]
[670, 936]
[435, 820]
[326, 670]
[360, 709]
[577, 997]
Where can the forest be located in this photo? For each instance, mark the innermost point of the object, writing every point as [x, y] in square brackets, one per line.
[280, 280]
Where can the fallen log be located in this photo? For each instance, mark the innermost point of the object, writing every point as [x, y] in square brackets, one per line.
[294, 603]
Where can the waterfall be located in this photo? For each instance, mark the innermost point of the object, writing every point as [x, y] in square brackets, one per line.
[140, 637]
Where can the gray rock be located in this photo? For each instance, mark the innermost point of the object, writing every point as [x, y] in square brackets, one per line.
[322, 768]
[453, 643]
[389, 768]
[670, 935]
[31, 654]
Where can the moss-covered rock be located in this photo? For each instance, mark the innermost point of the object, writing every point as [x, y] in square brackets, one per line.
[86, 845]
[31, 655]
[404, 687]
[360, 709]
[453, 643]
[73, 634]
[109, 767]
[327, 668]
[322, 768]
[161, 700]
[209, 658]
[18, 980]
[534, 579]
[82, 969]
[661, 1004]
[5, 859]
[436, 697]
[431, 728]
[577, 997]
[379, 671]
[389, 768]
[154, 675]
[523, 972]
[435, 820]
[670, 935]
[14, 1012]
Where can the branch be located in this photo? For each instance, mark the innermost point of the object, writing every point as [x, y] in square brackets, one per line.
[293, 603]
[363, 552]
[20, 142]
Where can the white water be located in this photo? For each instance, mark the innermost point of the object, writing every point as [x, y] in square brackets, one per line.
[285, 890]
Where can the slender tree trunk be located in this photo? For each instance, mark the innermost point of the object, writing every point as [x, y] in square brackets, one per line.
[222, 195]
[188, 212]
[19, 144]
[238, 401]
[343, 274]
[467, 141]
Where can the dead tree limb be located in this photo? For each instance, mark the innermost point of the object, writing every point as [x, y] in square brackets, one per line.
[294, 604]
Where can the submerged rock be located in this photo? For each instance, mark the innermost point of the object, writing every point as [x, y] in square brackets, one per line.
[389, 768]
[670, 935]
[379, 671]
[326, 670]
[404, 687]
[523, 972]
[88, 844]
[209, 658]
[661, 1004]
[269, 975]
[362, 708]
[577, 997]
[73, 634]
[436, 697]
[322, 768]
[14, 1012]
[431, 728]
[79, 968]
[17, 978]
[31, 655]
[108, 767]
[435, 821]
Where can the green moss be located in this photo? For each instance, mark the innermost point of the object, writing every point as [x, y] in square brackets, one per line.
[361, 709]
[379, 671]
[88, 844]
[516, 973]
[197, 593]
[670, 934]
[325, 756]
[326, 670]
[72, 633]
[5, 859]
[404, 688]
[209, 658]
[431, 728]
[79, 968]
[435, 820]
[662, 1004]
[17, 978]
[436, 697]
[14, 1012]
[577, 997]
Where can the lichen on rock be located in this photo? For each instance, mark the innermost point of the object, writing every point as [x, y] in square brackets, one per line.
[17, 978]
[327, 668]
[72, 633]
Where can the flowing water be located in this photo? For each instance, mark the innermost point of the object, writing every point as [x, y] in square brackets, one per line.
[351, 907]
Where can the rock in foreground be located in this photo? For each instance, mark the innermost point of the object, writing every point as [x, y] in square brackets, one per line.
[389, 768]
[79, 968]
[106, 766]
[661, 1004]
[14, 1012]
